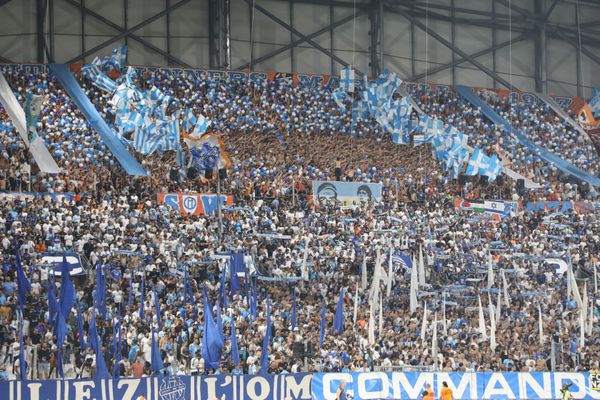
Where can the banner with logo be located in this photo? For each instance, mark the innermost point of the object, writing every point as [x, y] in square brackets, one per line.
[346, 192]
[212, 387]
[411, 385]
[563, 206]
[193, 203]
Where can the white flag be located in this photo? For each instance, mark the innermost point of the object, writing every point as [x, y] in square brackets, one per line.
[413, 289]
[505, 290]
[490, 275]
[482, 329]
[380, 315]
[371, 325]
[424, 324]
[421, 268]
[498, 307]
[364, 273]
[581, 329]
[444, 314]
[390, 272]
[492, 327]
[304, 271]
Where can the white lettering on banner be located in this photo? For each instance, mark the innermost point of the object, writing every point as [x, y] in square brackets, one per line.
[400, 381]
[82, 390]
[504, 390]
[295, 390]
[132, 385]
[34, 391]
[265, 388]
[363, 392]
[528, 382]
[466, 380]
[335, 377]
[211, 387]
[578, 379]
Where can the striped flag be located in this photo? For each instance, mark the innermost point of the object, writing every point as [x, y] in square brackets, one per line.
[98, 78]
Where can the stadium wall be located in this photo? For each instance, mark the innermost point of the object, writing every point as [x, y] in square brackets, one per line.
[69, 32]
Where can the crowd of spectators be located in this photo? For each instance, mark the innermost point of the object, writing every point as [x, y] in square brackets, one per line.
[281, 138]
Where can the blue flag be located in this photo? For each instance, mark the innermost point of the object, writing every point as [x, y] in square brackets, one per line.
[100, 294]
[293, 309]
[142, 315]
[211, 348]
[96, 345]
[235, 354]
[186, 285]
[22, 362]
[80, 328]
[222, 292]
[130, 298]
[52, 302]
[67, 290]
[93, 338]
[23, 283]
[253, 301]
[156, 359]
[119, 349]
[235, 261]
[157, 309]
[264, 354]
[220, 325]
[338, 322]
[61, 334]
[322, 334]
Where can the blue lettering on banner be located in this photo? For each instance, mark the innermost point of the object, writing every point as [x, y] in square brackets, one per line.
[210, 203]
[213, 387]
[172, 200]
[310, 81]
[410, 385]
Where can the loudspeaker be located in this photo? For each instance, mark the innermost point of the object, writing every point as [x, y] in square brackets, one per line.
[483, 180]
[222, 173]
[208, 173]
[173, 174]
[520, 185]
[462, 180]
[500, 180]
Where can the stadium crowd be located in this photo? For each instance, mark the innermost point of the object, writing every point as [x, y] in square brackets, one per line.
[281, 138]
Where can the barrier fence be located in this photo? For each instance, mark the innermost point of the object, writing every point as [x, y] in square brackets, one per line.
[318, 386]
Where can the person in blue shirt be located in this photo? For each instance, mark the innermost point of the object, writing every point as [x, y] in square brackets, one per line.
[9, 287]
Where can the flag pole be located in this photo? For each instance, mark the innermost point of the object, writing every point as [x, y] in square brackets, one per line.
[220, 233]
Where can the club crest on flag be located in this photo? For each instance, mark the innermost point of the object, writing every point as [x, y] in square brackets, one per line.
[171, 388]
[189, 203]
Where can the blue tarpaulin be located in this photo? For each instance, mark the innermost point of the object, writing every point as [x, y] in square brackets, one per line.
[110, 139]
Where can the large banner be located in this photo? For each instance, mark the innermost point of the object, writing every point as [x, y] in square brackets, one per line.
[212, 387]
[193, 203]
[346, 192]
[411, 385]
[563, 206]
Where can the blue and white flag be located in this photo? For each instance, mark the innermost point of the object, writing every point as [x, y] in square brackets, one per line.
[201, 126]
[401, 261]
[431, 126]
[340, 96]
[98, 78]
[478, 163]
[347, 79]
[119, 57]
[189, 120]
[495, 168]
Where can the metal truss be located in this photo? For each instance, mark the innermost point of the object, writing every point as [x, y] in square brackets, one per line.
[525, 25]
